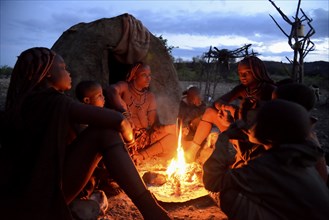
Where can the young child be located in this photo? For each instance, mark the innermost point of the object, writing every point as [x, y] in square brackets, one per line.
[90, 93]
[191, 109]
[282, 183]
[40, 171]
[100, 185]
[256, 87]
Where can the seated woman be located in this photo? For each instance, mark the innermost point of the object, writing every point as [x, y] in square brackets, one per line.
[256, 87]
[283, 182]
[137, 103]
[41, 170]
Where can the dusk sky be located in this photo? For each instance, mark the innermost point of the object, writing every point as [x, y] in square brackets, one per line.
[192, 26]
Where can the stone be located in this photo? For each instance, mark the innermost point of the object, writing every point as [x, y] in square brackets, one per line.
[87, 49]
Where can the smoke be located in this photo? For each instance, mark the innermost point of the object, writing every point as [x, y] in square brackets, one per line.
[167, 108]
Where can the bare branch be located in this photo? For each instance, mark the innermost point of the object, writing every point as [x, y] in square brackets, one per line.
[312, 30]
[298, 7]
[304, 15]
[303, 18]
[299, 42]
[307, 49]
[290, 61]
[279, 26]
[281, 13]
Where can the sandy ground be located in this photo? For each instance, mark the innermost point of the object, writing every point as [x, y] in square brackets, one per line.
[204, 207]
[121, 207]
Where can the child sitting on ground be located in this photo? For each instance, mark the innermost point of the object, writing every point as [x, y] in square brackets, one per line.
[91, 93]
[191, 109]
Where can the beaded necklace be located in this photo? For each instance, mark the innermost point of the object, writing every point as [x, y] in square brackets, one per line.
[136, 95]
[251, 93]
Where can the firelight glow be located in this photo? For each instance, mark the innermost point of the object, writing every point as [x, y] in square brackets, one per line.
[178, 165]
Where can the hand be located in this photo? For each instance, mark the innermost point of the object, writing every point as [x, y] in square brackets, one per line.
[236, 131]
[137, 158]
[249, 103]
[185, 131]
[225, 117]
[128, 117]
[132, 147]
[230, 108]
[127, 132]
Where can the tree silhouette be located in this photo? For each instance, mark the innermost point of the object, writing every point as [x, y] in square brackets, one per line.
[297, 40]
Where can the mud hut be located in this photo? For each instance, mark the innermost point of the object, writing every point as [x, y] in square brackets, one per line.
[105, 49]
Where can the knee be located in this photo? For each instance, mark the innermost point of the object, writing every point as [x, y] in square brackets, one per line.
[209, 114]
[169, 143]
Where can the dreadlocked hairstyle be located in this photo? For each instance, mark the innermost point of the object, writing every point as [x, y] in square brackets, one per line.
[258, 68]
[31, 67]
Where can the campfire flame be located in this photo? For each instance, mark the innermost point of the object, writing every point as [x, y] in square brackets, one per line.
[179, 172]
[177, 166]
[178, 182]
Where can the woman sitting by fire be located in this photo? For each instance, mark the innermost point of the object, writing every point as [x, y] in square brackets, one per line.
[256, 87]
[137, 103]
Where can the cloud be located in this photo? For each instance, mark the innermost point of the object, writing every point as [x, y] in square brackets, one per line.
[279, 47]
[192, 26]
[320, 22]
[203, 23]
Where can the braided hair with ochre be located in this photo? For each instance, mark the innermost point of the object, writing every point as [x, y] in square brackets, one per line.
[30, 69]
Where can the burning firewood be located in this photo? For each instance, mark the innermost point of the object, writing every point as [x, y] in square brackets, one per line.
[178, 181]
[177, 185]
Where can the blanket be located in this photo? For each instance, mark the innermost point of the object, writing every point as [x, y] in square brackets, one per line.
[134, 43]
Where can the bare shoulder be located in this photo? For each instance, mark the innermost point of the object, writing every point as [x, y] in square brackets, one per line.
[120, 86]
